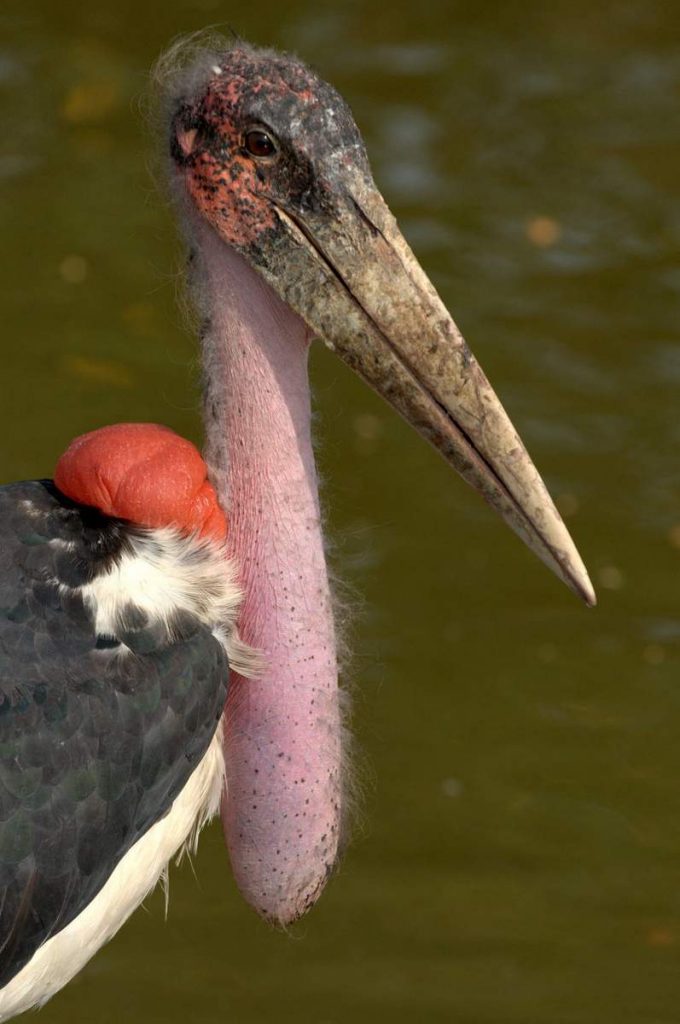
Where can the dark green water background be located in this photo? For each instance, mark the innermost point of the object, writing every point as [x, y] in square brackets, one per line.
[518, 856]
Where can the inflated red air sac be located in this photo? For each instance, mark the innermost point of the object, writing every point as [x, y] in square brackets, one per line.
[145, 473]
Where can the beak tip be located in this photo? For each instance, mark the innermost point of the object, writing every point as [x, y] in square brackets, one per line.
[578, 580]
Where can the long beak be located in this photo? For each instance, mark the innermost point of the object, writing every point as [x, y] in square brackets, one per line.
[351, 275]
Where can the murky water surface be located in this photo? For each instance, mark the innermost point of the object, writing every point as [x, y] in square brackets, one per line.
[518, 857]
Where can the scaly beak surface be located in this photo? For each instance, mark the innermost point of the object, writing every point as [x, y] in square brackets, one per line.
[351, 275]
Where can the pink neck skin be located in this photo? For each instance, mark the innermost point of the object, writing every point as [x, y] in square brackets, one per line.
[282, 730]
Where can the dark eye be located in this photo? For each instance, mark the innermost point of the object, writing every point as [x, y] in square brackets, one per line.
[258, 143]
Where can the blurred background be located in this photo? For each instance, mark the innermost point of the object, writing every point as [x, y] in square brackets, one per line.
[517, 858]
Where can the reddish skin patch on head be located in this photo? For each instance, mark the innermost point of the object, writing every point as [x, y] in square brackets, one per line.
[144, 473]
[240, 215]
[225, 184]
[228, 193]
[242, 193]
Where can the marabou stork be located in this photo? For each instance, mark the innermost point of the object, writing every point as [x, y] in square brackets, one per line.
[116, 625]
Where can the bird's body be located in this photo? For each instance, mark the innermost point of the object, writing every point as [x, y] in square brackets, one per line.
[115, 641]
[290, 239]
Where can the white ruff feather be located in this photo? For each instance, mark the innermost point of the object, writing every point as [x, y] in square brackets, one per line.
[166, 572]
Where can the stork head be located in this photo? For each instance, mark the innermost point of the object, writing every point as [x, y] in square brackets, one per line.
[266, 134]
[271, 157]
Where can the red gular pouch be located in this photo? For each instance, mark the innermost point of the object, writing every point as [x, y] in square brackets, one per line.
[144, 473]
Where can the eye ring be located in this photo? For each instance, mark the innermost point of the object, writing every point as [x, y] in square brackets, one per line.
[260, 144]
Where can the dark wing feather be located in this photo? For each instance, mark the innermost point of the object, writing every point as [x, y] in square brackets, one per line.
[94, 746]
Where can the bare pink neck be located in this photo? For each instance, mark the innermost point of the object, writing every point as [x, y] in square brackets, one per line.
[282, 731]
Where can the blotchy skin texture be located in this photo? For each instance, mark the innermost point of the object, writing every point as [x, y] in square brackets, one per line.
[313, 126]
[282, 731]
